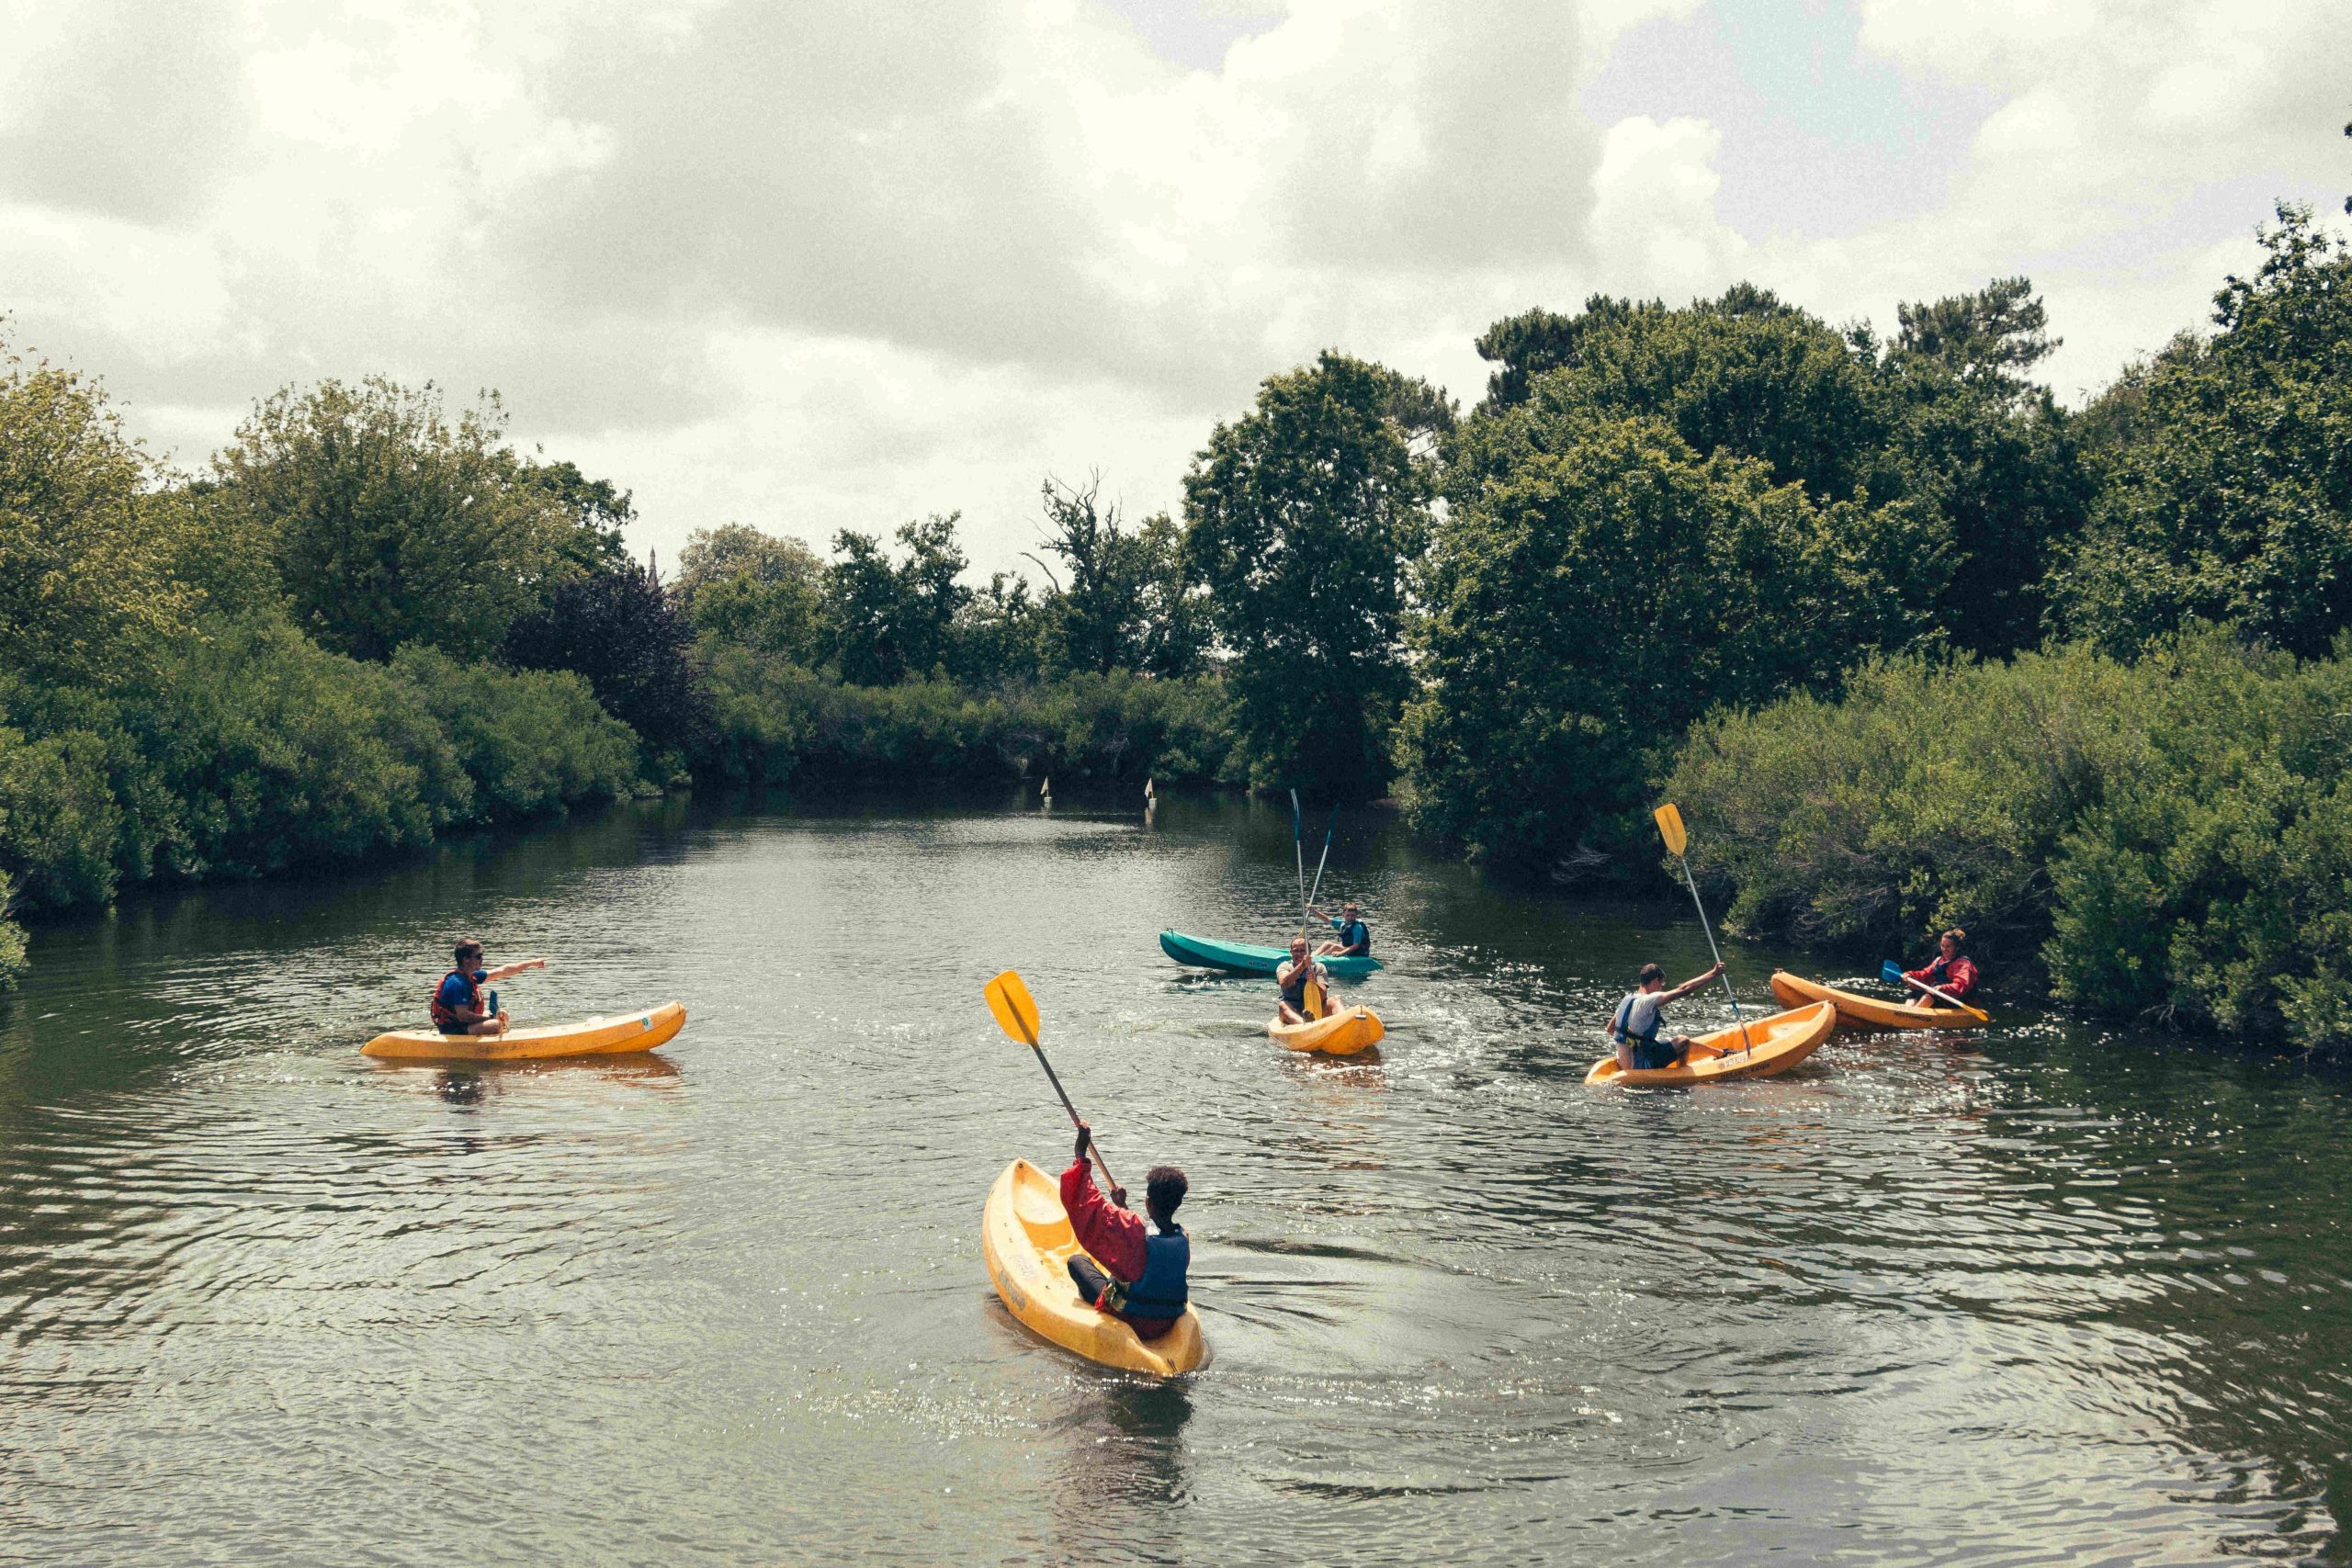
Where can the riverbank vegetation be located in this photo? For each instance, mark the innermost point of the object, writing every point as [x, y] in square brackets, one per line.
[1912, 643]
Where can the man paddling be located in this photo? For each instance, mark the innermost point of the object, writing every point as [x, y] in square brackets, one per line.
[1141, 1282]
[458, 1006]
[1634, 1028]
[1355, 937]
[1294, 977]
[1951, 971]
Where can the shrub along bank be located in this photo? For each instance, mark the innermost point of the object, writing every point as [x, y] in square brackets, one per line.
[2169, 840]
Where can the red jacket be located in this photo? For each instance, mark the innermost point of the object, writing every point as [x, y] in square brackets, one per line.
[1956, 978]
[1112, 1235]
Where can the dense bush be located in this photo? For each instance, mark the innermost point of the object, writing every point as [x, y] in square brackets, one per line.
[2169, 839]
[533, 742]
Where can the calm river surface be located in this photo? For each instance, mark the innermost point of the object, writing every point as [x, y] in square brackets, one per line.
[2042, 1295]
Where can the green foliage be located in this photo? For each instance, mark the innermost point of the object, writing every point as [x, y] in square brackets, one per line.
[85, 592]
[1988, 339]
[1606, 588]
[1130, 603]
[2228, 467]
[2169, 839]
[533, 742]
[1301, 519]
[621, 631]
[893, 621]
[743, 588]
[390, 525]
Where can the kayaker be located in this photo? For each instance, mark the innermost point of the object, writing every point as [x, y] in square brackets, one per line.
[1143, 1285]
[458, 1006]
[1634, 1028]
[1951, 971]
[1292, 977]
[1355, 937]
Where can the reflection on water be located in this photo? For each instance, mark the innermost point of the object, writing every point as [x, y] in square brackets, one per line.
[2038, 1293]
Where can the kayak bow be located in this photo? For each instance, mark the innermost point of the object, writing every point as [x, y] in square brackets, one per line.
[596, 1037]
[1242, 958]
[1779, 1042]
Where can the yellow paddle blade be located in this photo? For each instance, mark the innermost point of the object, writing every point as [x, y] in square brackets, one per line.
[1669, 827]
[1319, 1002]
[1016, 1014]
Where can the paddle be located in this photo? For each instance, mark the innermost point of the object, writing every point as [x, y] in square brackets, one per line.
[1016, 1014]
[1323, 859]
[1891, 972]
[1669, 827]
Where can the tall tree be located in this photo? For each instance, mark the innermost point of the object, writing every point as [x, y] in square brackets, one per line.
[390, 524]
[623, 633]
[1301, 518]
[892, 621]
[2228, 480]
[1129, 602]
[756, 591]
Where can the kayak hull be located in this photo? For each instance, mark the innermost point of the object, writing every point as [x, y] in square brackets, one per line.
[1774, 1045]
[1027, 1242]
[1207, 953]
[597, 1037]
[1858, 1011]
[1343, 1033]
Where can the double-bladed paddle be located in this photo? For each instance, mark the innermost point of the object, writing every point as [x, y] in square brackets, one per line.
[1016, 1014]
[1892, 973]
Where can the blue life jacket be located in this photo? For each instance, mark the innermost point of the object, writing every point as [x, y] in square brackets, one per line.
[1160, 1293]
[1617, 1025]
[1354, 931]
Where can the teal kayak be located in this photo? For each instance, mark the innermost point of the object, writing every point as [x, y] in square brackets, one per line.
[1243, 959]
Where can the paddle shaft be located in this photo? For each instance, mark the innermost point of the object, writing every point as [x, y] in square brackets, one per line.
[1946, 996]
[1323, 858]
[1700, 905]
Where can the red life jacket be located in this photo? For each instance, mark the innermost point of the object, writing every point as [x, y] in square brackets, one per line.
[1956, 978]
[442, 1017]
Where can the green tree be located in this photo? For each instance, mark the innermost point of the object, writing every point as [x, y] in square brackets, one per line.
[621, 631]
[1300, 519]
[2228, 488]
[1130, 603]
[757, 591]
[85, 549]
[1607, 588]
[1528, 345]
[894, 621]
[390, 525]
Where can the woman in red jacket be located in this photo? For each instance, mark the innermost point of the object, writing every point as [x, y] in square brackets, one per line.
[1142, 1278]
[1952, 972]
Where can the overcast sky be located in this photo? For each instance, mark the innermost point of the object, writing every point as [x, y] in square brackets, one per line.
[836, 264]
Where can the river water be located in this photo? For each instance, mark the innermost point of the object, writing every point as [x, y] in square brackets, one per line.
[2040, 1295]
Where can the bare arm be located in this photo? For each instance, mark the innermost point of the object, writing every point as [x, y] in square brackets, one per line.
[1691, 985]
[508, 971]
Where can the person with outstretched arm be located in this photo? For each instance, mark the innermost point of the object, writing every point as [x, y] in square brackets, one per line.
[1354, 938]
[1951, 971]
[458, 1005]
[1639, 1018]
[1141, 1280]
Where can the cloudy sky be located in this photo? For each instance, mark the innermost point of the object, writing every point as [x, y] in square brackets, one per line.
[813, 265]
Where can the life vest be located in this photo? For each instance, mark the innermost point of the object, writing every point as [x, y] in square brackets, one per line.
[1300, 980]
[1956, 975]
[1351, 931]
[442, 1017]
[1160, 1294]
[1618, 1025]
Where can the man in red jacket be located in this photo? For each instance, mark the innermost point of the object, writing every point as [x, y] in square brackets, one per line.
[1952, 972]
[1141, 1281]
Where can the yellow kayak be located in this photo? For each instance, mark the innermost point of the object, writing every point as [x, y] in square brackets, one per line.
[597, 1037]
[1858, 1011]
[1773, 1044]
[1342, 1034]
[1026, 1239]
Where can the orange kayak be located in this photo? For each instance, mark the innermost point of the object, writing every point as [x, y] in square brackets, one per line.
[1027, 1239]
[1766, 1045]
[597, 1037]
[1858, 1011]
[1342, 1034]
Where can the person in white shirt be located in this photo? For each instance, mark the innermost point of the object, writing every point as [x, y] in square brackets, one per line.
[1642, 1015]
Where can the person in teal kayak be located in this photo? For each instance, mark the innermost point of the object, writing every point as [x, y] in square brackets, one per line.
[1355, 940]
[1141, 1280]
[1640, 1017]
[1294, 977]
[460, 1006]
[1951, 971]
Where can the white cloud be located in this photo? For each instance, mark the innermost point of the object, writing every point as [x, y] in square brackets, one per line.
[816, 266]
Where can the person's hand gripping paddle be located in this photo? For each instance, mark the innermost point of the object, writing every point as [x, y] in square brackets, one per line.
[1016, 1014]
[1669, 827]
[1892, 973]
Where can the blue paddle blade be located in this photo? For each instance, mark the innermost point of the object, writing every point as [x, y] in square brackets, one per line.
[1891, 972]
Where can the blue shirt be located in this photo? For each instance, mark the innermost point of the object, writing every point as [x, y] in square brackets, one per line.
[1353, 931]
[456, 993]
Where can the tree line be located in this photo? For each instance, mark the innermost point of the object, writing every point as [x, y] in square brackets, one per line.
[1672, 547]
